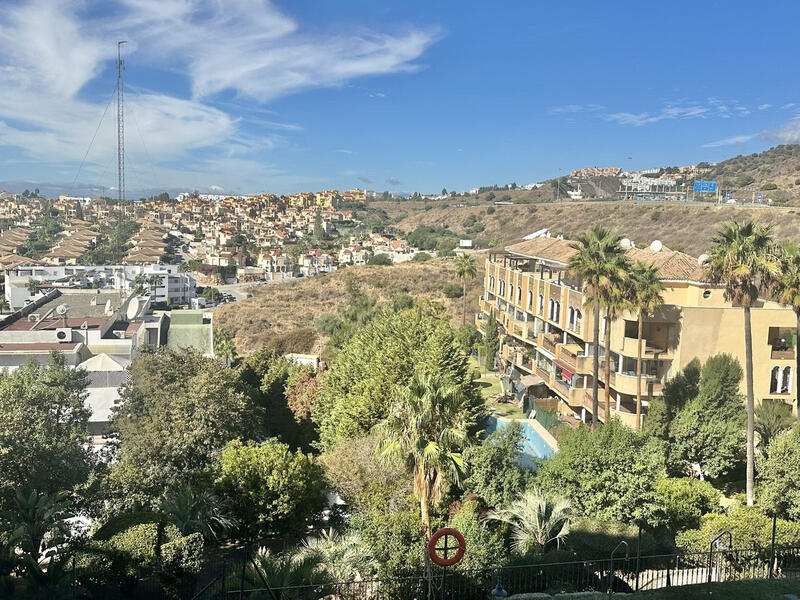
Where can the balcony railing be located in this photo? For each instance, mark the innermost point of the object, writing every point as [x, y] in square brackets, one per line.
[548, 341]
[782, 354]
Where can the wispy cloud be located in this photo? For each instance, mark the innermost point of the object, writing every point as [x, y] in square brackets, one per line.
[736, 140]
[248, 47]
[392, 181]
[788, 133]
[343, 151]
[666, 113]
[571, 109]
[364, 180]
[764, 106]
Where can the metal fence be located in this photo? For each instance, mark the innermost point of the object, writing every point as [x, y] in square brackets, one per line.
[239, 577]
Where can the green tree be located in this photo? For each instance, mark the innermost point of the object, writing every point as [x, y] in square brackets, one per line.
[37, 521]
[380, 260]
[494, 470]
[644, 291]
[224, 346]
[485, 544]
[176, 412]
[491, 341]
[466, 269]
[427, 427]
[685, 499]
[342, 557]
[609, 474]
[744, 260]
[779, 475]
[536, 519]
[601, 262]
[787, 290]
[380, 358]
[270, 489]
[43, 428]
[706, 434]
[772, 418]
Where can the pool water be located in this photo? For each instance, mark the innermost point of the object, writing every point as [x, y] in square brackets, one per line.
[534, 448]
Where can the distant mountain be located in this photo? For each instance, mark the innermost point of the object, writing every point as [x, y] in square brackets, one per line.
[774, 172]
[50, 189]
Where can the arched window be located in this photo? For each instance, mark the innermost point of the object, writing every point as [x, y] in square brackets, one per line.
[551, 307]
[530, 299]
[541, 303]
[510, 291]
[519, 294]
[557, 311]
[570, 316]
[774, 380]
[786, 384]
[578, 317]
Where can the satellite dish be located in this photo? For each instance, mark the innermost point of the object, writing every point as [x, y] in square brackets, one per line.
[133, 309]
[701, 260]
[62, 309]
[625, 243]
[656, 246]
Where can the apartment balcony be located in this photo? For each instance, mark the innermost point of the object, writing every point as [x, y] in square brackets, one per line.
[544, 374]
[630, 347]
[624, 414]
[548, 341]
[568, 354]
[625, 383]
[486, 305]
[782, 353]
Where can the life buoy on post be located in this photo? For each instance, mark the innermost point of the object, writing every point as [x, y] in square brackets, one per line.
[447, 561]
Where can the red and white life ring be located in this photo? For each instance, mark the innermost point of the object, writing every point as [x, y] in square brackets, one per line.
[447, 561]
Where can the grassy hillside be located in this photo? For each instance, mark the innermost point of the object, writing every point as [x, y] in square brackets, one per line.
[686, 228]
[278, 309]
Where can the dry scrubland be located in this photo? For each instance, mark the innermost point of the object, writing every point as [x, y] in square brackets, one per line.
[681, 227]
[279, 309]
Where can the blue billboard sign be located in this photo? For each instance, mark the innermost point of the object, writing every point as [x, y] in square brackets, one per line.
[760, 197]
[705, 186]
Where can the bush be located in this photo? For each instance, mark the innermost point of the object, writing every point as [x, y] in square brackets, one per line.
[485, 545]
[421, 257]
[684, 500]
[748, 526]
[142, 542]
[453, 290]
[125, 521]
[381, 260]
[490, 210]
[523, 200]
[595, 538]
[769, 186]
[655, 215]
[181, 559]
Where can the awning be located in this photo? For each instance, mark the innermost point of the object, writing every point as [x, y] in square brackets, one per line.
[531, 380]
[567, 370]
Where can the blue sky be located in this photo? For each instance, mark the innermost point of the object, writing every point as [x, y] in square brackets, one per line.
[244, 95]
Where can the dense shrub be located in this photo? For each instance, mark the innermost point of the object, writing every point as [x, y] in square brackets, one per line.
[485, 545]
[142, 542]
[452, 290]
[684, 500]
[381, 260]
[595, 538]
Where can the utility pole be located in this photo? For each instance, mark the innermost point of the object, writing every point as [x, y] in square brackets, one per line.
[120, 129]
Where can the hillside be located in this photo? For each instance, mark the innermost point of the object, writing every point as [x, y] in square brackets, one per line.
[778, 166]
[279, 309]
[682, 227]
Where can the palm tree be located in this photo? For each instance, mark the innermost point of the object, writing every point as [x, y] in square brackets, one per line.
[536, 520]
[613, 300]
[465, 269]
[292, 569]
[771, 419]
[644, 296]
[33, 286]
[745, 261]
[343, 557]
[787, 291]
[427, 428]
[600, 261]
[37, 521]
[197, 510]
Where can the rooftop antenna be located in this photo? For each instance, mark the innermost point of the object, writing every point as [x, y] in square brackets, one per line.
[120, 128]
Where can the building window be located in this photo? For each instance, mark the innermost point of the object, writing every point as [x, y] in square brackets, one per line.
[550, 309]
[519, 294]
[541, 303]
[570, 316]
[511, 291]
[578, 317]
[786, 383]
[775, 381]
[556, 311]
[530, 299]
[707, 294]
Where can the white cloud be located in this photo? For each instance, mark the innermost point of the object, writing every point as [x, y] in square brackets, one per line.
[667, 113]
[51, 51]
[736, 140]
[764, 106]
[343, 151]
[788, 133]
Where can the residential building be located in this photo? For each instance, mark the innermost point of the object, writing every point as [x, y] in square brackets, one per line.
[546, 330]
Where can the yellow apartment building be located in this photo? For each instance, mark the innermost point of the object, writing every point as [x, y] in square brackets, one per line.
[546, 332]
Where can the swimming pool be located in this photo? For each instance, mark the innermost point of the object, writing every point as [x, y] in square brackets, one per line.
[535, 447]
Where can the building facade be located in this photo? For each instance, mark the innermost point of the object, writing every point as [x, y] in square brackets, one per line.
[546, 331]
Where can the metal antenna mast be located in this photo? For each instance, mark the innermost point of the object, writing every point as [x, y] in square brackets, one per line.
[120, 128]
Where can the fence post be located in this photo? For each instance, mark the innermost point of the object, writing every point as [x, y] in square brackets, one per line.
[244, 566]
[224, 577]
[772, 548]
[638, 555]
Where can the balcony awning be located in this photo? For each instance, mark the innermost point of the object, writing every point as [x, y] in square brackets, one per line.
[531, 380]
[567, 370]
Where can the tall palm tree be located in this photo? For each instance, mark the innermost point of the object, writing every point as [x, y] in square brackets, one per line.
[600, 261]
[787, 291]
[745, 261]
[613, 300]
[466, 268]
[536, 520]
[427, 428]
[197, 509]
[644, 296]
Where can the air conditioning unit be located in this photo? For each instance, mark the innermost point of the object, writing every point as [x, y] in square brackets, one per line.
[64, 334]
